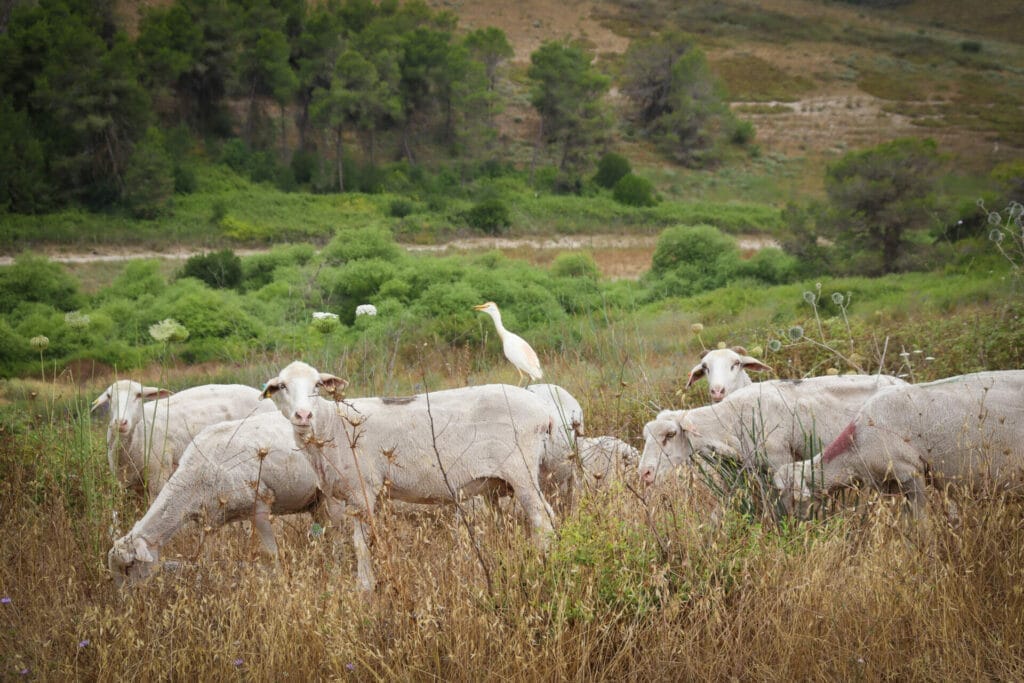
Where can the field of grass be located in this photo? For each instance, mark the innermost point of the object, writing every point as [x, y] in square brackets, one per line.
[674, 580]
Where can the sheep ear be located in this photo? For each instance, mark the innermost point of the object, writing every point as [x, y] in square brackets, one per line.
[741, 351]
[751, 363]
[149, 393]
[100, 401]
[684, 425]
[142, 551]
[332, 385]
[271, 387]
[695, 374]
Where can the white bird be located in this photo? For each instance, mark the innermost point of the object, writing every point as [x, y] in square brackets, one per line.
[519, 353]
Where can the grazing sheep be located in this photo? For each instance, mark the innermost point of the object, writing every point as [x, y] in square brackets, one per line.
[428, 448]
[243, 469]
[145, 440]
[366, 309]
[725, 370]
[779, 420]
[961, 432]
[604, 459]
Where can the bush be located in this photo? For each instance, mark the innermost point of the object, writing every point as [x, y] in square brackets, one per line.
[771, 266]
[352, 244]
[490, 216]
[611, 170]
[743, 133]
[691, 259]
[34, 278]
[304, 165]
[632, 190]
[575, 264]
[400, 208]
[220, 269]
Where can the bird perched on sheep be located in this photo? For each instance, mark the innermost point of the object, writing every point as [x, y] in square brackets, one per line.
[518, 352]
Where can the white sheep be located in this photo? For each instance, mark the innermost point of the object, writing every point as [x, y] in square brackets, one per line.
[146, 440]
[605, 459]
[778, 420]
[558, 469]
[366, 309]
[429, 448]
[964, 431]
[238, 470]
[726, 370]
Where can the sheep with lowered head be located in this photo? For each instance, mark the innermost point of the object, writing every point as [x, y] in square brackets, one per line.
[145, 440]
[238, 470]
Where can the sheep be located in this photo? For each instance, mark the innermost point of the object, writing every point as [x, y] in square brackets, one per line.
[604, 459]
[429, 448]
[778, 420]
[366, 309]
[558, 471]
[216, 483]
[962, 432]
[146, 440]
[725, 370]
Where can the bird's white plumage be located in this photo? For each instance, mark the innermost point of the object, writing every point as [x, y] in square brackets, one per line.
[518, 352]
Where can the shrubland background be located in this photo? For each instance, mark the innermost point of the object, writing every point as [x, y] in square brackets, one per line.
[858, 137]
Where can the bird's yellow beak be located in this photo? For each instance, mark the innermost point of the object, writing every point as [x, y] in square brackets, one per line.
[479, 307]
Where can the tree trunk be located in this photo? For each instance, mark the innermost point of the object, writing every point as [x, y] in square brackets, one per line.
[338, 152]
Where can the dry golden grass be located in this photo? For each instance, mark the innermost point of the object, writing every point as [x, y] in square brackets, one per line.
[640, 585]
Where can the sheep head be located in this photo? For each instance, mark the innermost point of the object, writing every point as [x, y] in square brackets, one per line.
[294, 389]
[726, 370]
[131, 560]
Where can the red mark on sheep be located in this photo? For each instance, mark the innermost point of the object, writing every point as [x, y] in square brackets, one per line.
[841, 443]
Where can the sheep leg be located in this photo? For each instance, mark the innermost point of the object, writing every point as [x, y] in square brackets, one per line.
[364, 564]
[261, 522]
[538, 512]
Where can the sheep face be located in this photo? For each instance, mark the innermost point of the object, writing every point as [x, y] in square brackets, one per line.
[131, 560]
[295, 390]
[671, 442]
[725, 370]
[125, 398]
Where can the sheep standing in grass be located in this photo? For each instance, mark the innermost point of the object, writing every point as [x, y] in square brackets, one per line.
[961, 432]
[145, 440]
[238, 470]
[605, 459]
[429, 448]
[779, 421]
[726, 370]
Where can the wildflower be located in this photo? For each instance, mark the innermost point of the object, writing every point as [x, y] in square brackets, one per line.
[756, 351]
[721, 345]
[994, 218]
[323, 315]
[23, 672]
[168, 330]
[929, 359]
[904, 355]
[837, 298]
[796, 333]
[832, 371]
[39, 343]
[696, 328]
[83, 643]
[6, 600]
[810, 298]
[239, 662]
[774, 345]
[76, 320]
[350, 666]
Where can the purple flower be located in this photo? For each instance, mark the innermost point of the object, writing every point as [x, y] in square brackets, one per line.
[239, 662]
[83, 643]
[5, 600]
[350, 666]
[23, 672]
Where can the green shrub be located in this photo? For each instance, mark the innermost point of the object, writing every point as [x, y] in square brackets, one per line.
[305, 163]
[743, 133]
[185, 181]
[352, 244]
[771, 266]
[490, 216]
[259, 270]
[610, 169]
[632, 190]
[691, 259]
[400, 208]
[578, 264]
[970, 46]
[205, 312]
[33, 278]
[220, 269]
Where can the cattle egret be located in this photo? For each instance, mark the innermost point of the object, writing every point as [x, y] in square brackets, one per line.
[519, 353]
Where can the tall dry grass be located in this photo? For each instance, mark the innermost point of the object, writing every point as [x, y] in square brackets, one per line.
[639, 585]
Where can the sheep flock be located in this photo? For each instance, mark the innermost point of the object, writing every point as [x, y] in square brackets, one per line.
[217, 454]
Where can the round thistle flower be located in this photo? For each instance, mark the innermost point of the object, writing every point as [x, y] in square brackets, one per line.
[838, 298]
[980, 202]
[774, 345]
[168, 330]
[996, 235]
[39, 343]
[994, 218]
[832, 371]
[756, 351]
[810, 298]
[796, 333]
[76, 320]
[696, 328]
[1015, 209]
